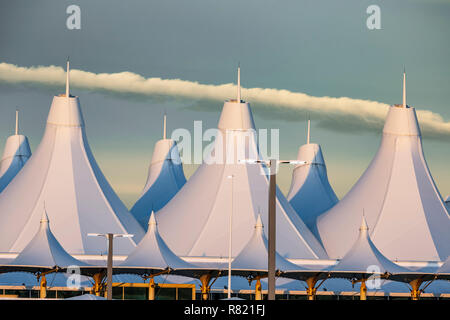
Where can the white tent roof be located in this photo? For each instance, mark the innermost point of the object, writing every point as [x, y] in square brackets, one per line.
[64, 174]
[364, 256]
[44, 250]
[165, 178]
[15, 155]
[404, 210]
[255, 254]
[153, 253]
[196, 221]
[311, 193]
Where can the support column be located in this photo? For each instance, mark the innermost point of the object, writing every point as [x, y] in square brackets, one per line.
[272, 230]
[43, 287]
[151, 289]
[205, 279]
[311, 290]
[363, 290]
[415, 289]
[98, 280]
[258, 289]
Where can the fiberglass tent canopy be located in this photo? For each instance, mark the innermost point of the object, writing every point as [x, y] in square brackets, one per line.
[165, 178]
[15, 155]
[404, 210]
[64, 174]
[311, 193]
[196, 221]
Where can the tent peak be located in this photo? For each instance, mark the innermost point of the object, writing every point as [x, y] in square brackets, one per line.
[364, 226]
[152, 221]
[404, 88]
[259, 224]
[239, 84]
[67, 78]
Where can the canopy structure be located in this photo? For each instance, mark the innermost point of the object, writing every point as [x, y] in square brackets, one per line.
[196, 221]
[252, 260]
[311, 193]
[165, 178]
[64, 174]
[404, 210]
[15, 155]
[43, 252]
[364, 259]
[152, 255]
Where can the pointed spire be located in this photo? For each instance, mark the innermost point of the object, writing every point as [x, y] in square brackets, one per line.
[404, 88]
[239, 84]
[259, 224]
[67, 78]
[17, 122]
[165, 127]
[152, 220]
[308, 137]
[364, 226]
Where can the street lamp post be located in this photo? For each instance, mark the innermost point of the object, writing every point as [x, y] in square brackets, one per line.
[271, 263]
[230, 239]
[110, 237]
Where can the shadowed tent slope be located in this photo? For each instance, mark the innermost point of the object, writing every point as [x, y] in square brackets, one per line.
[165, 179]
[15, 155]
[196, 221]
[311, 193]
[403, 207]
[64, 174]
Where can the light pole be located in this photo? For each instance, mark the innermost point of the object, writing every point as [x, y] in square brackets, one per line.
[230, 239]
[110, 237]
[271, 263]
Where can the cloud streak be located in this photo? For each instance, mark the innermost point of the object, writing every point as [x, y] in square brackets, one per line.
[354, 113]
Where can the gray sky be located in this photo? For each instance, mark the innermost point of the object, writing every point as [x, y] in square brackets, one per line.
[322, 48]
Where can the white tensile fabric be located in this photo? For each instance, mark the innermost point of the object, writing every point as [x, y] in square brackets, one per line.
[311, 193]
[165, 178]
[63, 174]
[153, 253]
[44, 250]
[254, 255]
[404, 210]
[364, 257]
[196, 221]
[15, 155]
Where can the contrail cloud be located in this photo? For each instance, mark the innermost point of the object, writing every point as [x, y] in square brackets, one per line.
[367, 114]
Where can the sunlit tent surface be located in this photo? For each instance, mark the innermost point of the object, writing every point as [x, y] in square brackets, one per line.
[43, 252]
[365, 259]
[252, 260]
[165, 178]
[404, 210]
[311, 193]
[64, 174]
[152, 254]
[15, 155]
[196, 221]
